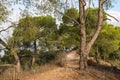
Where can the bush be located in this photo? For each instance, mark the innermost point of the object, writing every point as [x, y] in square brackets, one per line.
[45, 57]
[115, 55]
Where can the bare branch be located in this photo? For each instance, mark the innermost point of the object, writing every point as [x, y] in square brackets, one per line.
[7, 65]
[2, 49]
[13, 24]
[5, 29]
[3, 43]
[112, 17]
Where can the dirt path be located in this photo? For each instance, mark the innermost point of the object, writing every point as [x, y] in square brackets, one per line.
[72, 73]
[57, 74]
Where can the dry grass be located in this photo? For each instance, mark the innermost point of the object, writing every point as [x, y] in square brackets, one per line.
[38, 70]
[61, 73]
[52, 71]
[11, 74]
[8, 74]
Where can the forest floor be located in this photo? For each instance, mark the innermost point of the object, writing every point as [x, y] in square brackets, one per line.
[71, 72]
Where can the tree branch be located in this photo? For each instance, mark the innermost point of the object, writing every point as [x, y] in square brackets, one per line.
[3, 43]
[104, 1]
[112, 17]
[2, 49]
[7, 65]
[99, 26]
[5, 29]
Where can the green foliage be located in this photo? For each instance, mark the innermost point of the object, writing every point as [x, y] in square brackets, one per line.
[48, 33]
[45, 57]
[32, 28]
[70, 15]
[108, 4]
[3, 12]
[69, 36]
[45, 21]
[69, 30]
[108, 41]
[7, 58]
[91, 17]
[42, 29]
[91, 21]
[26, 31]
[115, 55]
[13, 45]
[25, 58]
[109, 36]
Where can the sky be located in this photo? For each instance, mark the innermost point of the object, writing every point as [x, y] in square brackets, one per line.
[14, 17]
[115, 11]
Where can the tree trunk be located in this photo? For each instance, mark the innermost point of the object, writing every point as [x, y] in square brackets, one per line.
[18, 65]
[84, 47]
[82, 62]
[35, 51]
[33, 59]
[96, 56]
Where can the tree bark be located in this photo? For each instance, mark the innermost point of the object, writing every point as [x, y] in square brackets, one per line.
[33, 59]
[18, 64]
[96, 57]
[82, 62]
[84, 47]
[35, 51]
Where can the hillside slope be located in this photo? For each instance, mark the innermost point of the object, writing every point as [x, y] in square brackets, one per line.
[71, 72]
